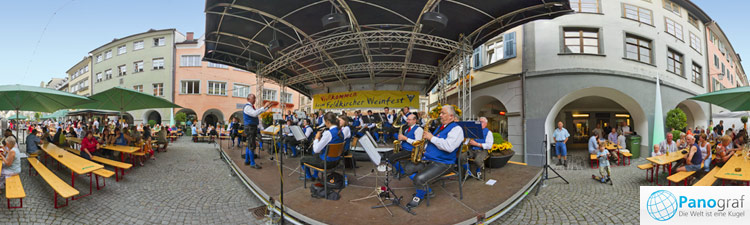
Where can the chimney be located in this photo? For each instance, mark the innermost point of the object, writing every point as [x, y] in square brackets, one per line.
[189, 36]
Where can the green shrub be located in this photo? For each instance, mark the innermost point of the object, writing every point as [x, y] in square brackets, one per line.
[676, 135]
[497, 138]
[676, 119]
[152, 122]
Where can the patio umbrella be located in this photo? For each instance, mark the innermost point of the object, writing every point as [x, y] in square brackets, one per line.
[29, 98]
[121, 100]
[735, 99]
[17, 117]
[56, 114]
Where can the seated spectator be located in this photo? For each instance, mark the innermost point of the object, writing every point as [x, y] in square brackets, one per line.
[594, 143]
[693, 159]
[32, 142]
[11, 160]
[89, 146]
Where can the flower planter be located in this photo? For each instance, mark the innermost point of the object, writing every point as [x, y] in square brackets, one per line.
[498, 161]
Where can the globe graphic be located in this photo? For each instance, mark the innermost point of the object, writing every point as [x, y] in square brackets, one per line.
[661, 205]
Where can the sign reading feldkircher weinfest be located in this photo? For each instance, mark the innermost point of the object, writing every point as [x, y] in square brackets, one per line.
[366, 99]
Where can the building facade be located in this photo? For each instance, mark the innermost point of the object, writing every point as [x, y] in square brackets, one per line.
[211, 93]
[597, 67]
[79, 77]
[143, 62]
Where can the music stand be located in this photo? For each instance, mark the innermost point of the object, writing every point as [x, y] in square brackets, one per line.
[472, 130]
[300, 137]
[382, 192]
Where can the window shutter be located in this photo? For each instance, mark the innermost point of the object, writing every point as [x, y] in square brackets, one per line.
[509, 40]
[477, 57]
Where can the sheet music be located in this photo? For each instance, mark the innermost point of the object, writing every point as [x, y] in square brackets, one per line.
[298, 134]
[371, 151]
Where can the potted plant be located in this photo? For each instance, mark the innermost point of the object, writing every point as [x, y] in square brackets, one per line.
[266, 118]
[744, 121]
[500, 153]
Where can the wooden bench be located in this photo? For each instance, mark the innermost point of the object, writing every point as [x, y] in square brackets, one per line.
[626, 155]
[593, 159]
[105, 173]
[58, 185]
[709, 179]
[648, 167]
[14, 190]
[680, 176]
[117, 165]
[517, 163]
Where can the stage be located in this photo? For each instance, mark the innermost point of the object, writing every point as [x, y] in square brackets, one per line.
[480, 200]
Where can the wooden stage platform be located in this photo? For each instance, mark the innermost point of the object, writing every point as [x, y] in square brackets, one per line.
[480, 201]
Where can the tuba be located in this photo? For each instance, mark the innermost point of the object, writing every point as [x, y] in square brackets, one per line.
[420, 145]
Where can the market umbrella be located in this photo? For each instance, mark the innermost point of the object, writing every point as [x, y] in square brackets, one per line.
[56, 114]
[735, 99]
[17, 117]
[29, 98]
[121, 100]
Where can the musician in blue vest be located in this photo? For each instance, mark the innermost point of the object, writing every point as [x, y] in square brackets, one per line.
[290, 116]
[357, 123]
[371, 125]
[320, 121]
[343, 122]
[439, 155]
[250, 116]
[411, 132]
[332, 135]
[478, 151]
[387, 124]
[290, 143]
[406, 112]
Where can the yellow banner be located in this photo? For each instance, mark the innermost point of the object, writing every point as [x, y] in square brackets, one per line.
[366, 99]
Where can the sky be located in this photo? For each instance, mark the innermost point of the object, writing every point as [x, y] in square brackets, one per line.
[33, 54]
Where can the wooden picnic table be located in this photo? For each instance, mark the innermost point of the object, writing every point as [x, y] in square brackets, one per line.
[728, 172]
[666, 160]
[76, 164]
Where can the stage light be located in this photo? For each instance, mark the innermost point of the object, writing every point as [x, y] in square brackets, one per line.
[580, 115]
[435, 20]
[333, 20]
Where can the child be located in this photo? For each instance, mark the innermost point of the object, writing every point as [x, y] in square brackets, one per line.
[603, 156]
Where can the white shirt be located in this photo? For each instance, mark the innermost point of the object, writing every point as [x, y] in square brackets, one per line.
[253, 112]
[390, 118]
[308, 131]
[450, 143]
[320, 144]
[488, 141]
[96, 124]
[418, 132]
[346, 131]
[371, 124]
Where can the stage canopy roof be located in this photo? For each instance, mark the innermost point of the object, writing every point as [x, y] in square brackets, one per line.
[382, 44]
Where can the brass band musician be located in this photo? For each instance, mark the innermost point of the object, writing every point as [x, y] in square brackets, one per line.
[478, 150]
[411, 133]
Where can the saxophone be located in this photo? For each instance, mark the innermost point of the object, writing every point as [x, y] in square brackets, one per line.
[419, 145]
[397, 143]
[397, 124]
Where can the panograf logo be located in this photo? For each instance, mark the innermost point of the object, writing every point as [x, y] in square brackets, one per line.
[690, 205]
[661, 205]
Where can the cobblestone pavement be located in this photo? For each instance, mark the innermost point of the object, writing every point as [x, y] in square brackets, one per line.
[189, 184]
[584, 200]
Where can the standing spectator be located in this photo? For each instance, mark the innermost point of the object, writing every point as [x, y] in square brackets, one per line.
[598, 130]
[621, 143]
[720, 127]
[561, 136]
[612, 137]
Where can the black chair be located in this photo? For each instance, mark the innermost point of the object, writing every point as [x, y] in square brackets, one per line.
[455, 172]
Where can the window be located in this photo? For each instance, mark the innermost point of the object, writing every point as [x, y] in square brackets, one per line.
[158, 89]
[138, 88]
[240, 90]
[672, 7]
[674, 62]
[269, 94]
[495, 51]
[695, 42]
[121, 50]
[638, 49]
[138, 45]
[158, 63]
[697, 75]
[98, 77]
[639, 14]
[581, 41]
[122, 70]
[190, 87]
[217, 65]
[190, 60]
[217, 88]
[693, 21]
[286, 98]
[716, 61]
[673, 28]
[159, 41]
[723, 70]
[108, 54]
[99, 58]
[585, 6]
[138, 66]
[108, 74]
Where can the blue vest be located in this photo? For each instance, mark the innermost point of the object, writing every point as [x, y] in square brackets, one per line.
[387, 124]
[355, 123]
[403, 121]
[482, 140]
[409, 134]
[249, 120]
[290, 117]
[320, 121]
[335, 139]
[432, 153]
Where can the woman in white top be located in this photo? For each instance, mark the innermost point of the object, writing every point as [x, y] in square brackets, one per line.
[621, 142]
[10, 160]
[705, 149]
